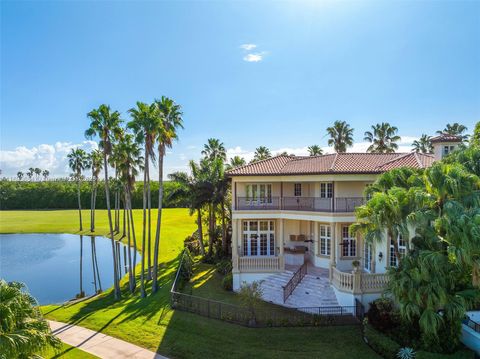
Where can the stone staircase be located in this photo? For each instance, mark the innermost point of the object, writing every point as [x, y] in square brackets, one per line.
[313, 291]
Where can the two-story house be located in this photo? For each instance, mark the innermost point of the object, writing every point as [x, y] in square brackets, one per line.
[290, 210]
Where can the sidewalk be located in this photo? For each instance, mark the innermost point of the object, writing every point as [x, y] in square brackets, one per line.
[99, 344]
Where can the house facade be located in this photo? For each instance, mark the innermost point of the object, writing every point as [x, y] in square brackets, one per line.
[288, 211]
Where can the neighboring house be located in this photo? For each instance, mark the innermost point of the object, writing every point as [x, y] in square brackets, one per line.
[290, 210]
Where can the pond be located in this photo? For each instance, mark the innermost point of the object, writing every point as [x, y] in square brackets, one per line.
[53, 265]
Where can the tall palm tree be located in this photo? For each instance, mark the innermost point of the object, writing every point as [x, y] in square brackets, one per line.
[45, 174]
[96, 165]
[23, 330]
[170, 120]
[106, 125]
[214, 149]
[235, 162]
[261, 153]
[145, 124]
[455, 129]
[30, 173]
[423, 145]
[383, 138]
[130, 161]
[315, 150]
[341, 136]
[38, 172]
[192, 191]
[78, 162]
[19, 175]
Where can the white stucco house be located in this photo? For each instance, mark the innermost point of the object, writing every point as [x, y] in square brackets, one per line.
[290, 211]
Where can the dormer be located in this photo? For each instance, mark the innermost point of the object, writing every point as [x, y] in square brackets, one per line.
[444, 144]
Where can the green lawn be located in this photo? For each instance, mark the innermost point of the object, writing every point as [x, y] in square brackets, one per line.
[151, 323]
[67, 352]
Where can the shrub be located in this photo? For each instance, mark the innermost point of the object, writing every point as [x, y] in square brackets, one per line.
[382, 315]
[224, 267]
[461, 354]
[383, 345]
[227, 282]
[186, 268]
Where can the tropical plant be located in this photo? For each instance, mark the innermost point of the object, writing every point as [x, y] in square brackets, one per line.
[341, 136]
[406, 353]
[146, 124]
[214, 149]
[383, 138]
[251, 296]
[45, 174]
[235, 162]
[315, 150]
[38, 172]
[170, 120]
[106, 125]
[423, 145]
[454, 129]
[261, 153]
[78, 162]
[20, 175]
[23, 331]
[96, 165]
[475, 140]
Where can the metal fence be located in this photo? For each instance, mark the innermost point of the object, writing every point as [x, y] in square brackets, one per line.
[261, 316]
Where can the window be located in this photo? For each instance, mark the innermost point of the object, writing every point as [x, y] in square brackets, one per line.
[448, 149]
[367, 257]
[325, 240]
[349, 243]
[326, 190]
[258, 238]
[297, 189]
[258, 193]
[402, 249]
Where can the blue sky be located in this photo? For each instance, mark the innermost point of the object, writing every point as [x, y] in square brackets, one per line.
[413, 64]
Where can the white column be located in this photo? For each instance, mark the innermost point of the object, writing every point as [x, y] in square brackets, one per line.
[235, 244]
[280, 243]
[316, 243]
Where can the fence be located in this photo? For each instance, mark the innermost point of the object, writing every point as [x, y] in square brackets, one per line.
[263, 317]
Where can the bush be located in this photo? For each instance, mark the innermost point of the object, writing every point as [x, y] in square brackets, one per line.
[382, 315]
[227, 282]
[186, 269]
[379, 342]
[461, 354]
[224, 267]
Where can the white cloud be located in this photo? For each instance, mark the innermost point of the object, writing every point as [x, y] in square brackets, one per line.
[256, 57]
[44, 156]
[248, 47]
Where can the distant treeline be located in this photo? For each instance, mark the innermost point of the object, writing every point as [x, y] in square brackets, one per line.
[63, 195]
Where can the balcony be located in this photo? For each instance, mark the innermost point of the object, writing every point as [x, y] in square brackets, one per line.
[311, 204]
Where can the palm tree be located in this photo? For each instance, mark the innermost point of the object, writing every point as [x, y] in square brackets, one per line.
[383, 138]
[314, 150]
[341, 136]
[475, 140]
[81, 293]
[78, 162]
[261, 153]
[170, 120]
[96, 165]
[38, 172]
[130, 161]
[45, 174]
[19, 175]
[235, 162]
[214, 149]
[454, 129]
[106, 125]
[423, 145]
[192, 190]
[30, 173]
[145, 124]
[24, 332]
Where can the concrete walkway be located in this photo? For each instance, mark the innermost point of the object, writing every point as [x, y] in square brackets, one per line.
[99, 344]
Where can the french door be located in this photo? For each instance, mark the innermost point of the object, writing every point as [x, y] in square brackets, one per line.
[259, 193]
[258, 238]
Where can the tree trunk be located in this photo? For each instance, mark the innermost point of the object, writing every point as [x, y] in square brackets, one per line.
[132, 224]
[79, 204]
[130, 274]
[210, 229]
[144, 229]
[200, 231]
[124, 219]
[116, 283]
[159, 219]
[93, 264]
[81, 267]
[224, 230]
[96, 265]
[92, 208]
[94, 205]
[149, 210]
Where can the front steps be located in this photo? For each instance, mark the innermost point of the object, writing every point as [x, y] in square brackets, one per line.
[313, 291]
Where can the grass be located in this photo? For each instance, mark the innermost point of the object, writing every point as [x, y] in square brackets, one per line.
[150, 322]
[67, 352]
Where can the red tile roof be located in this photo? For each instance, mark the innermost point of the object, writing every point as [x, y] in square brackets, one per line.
[445, 137]
[338, 163]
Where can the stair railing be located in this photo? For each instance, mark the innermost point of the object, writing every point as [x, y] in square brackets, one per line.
[294, 281]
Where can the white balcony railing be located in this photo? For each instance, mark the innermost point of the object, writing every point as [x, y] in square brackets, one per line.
[359, 282]
[259, 264]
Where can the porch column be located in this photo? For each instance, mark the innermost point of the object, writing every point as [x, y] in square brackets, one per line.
[333, 249]
[316, 244]
[280, 243]
[235, 244]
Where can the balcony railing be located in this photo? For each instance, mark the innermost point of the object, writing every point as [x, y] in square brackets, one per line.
[313, 204]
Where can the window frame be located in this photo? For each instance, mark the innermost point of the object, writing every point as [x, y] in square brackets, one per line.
[325, 240]
[297, 190]
[258, 237]
[326, 190]
[402, 249]
[349, 248]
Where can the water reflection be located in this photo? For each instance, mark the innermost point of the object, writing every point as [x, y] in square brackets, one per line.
[59, 267]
